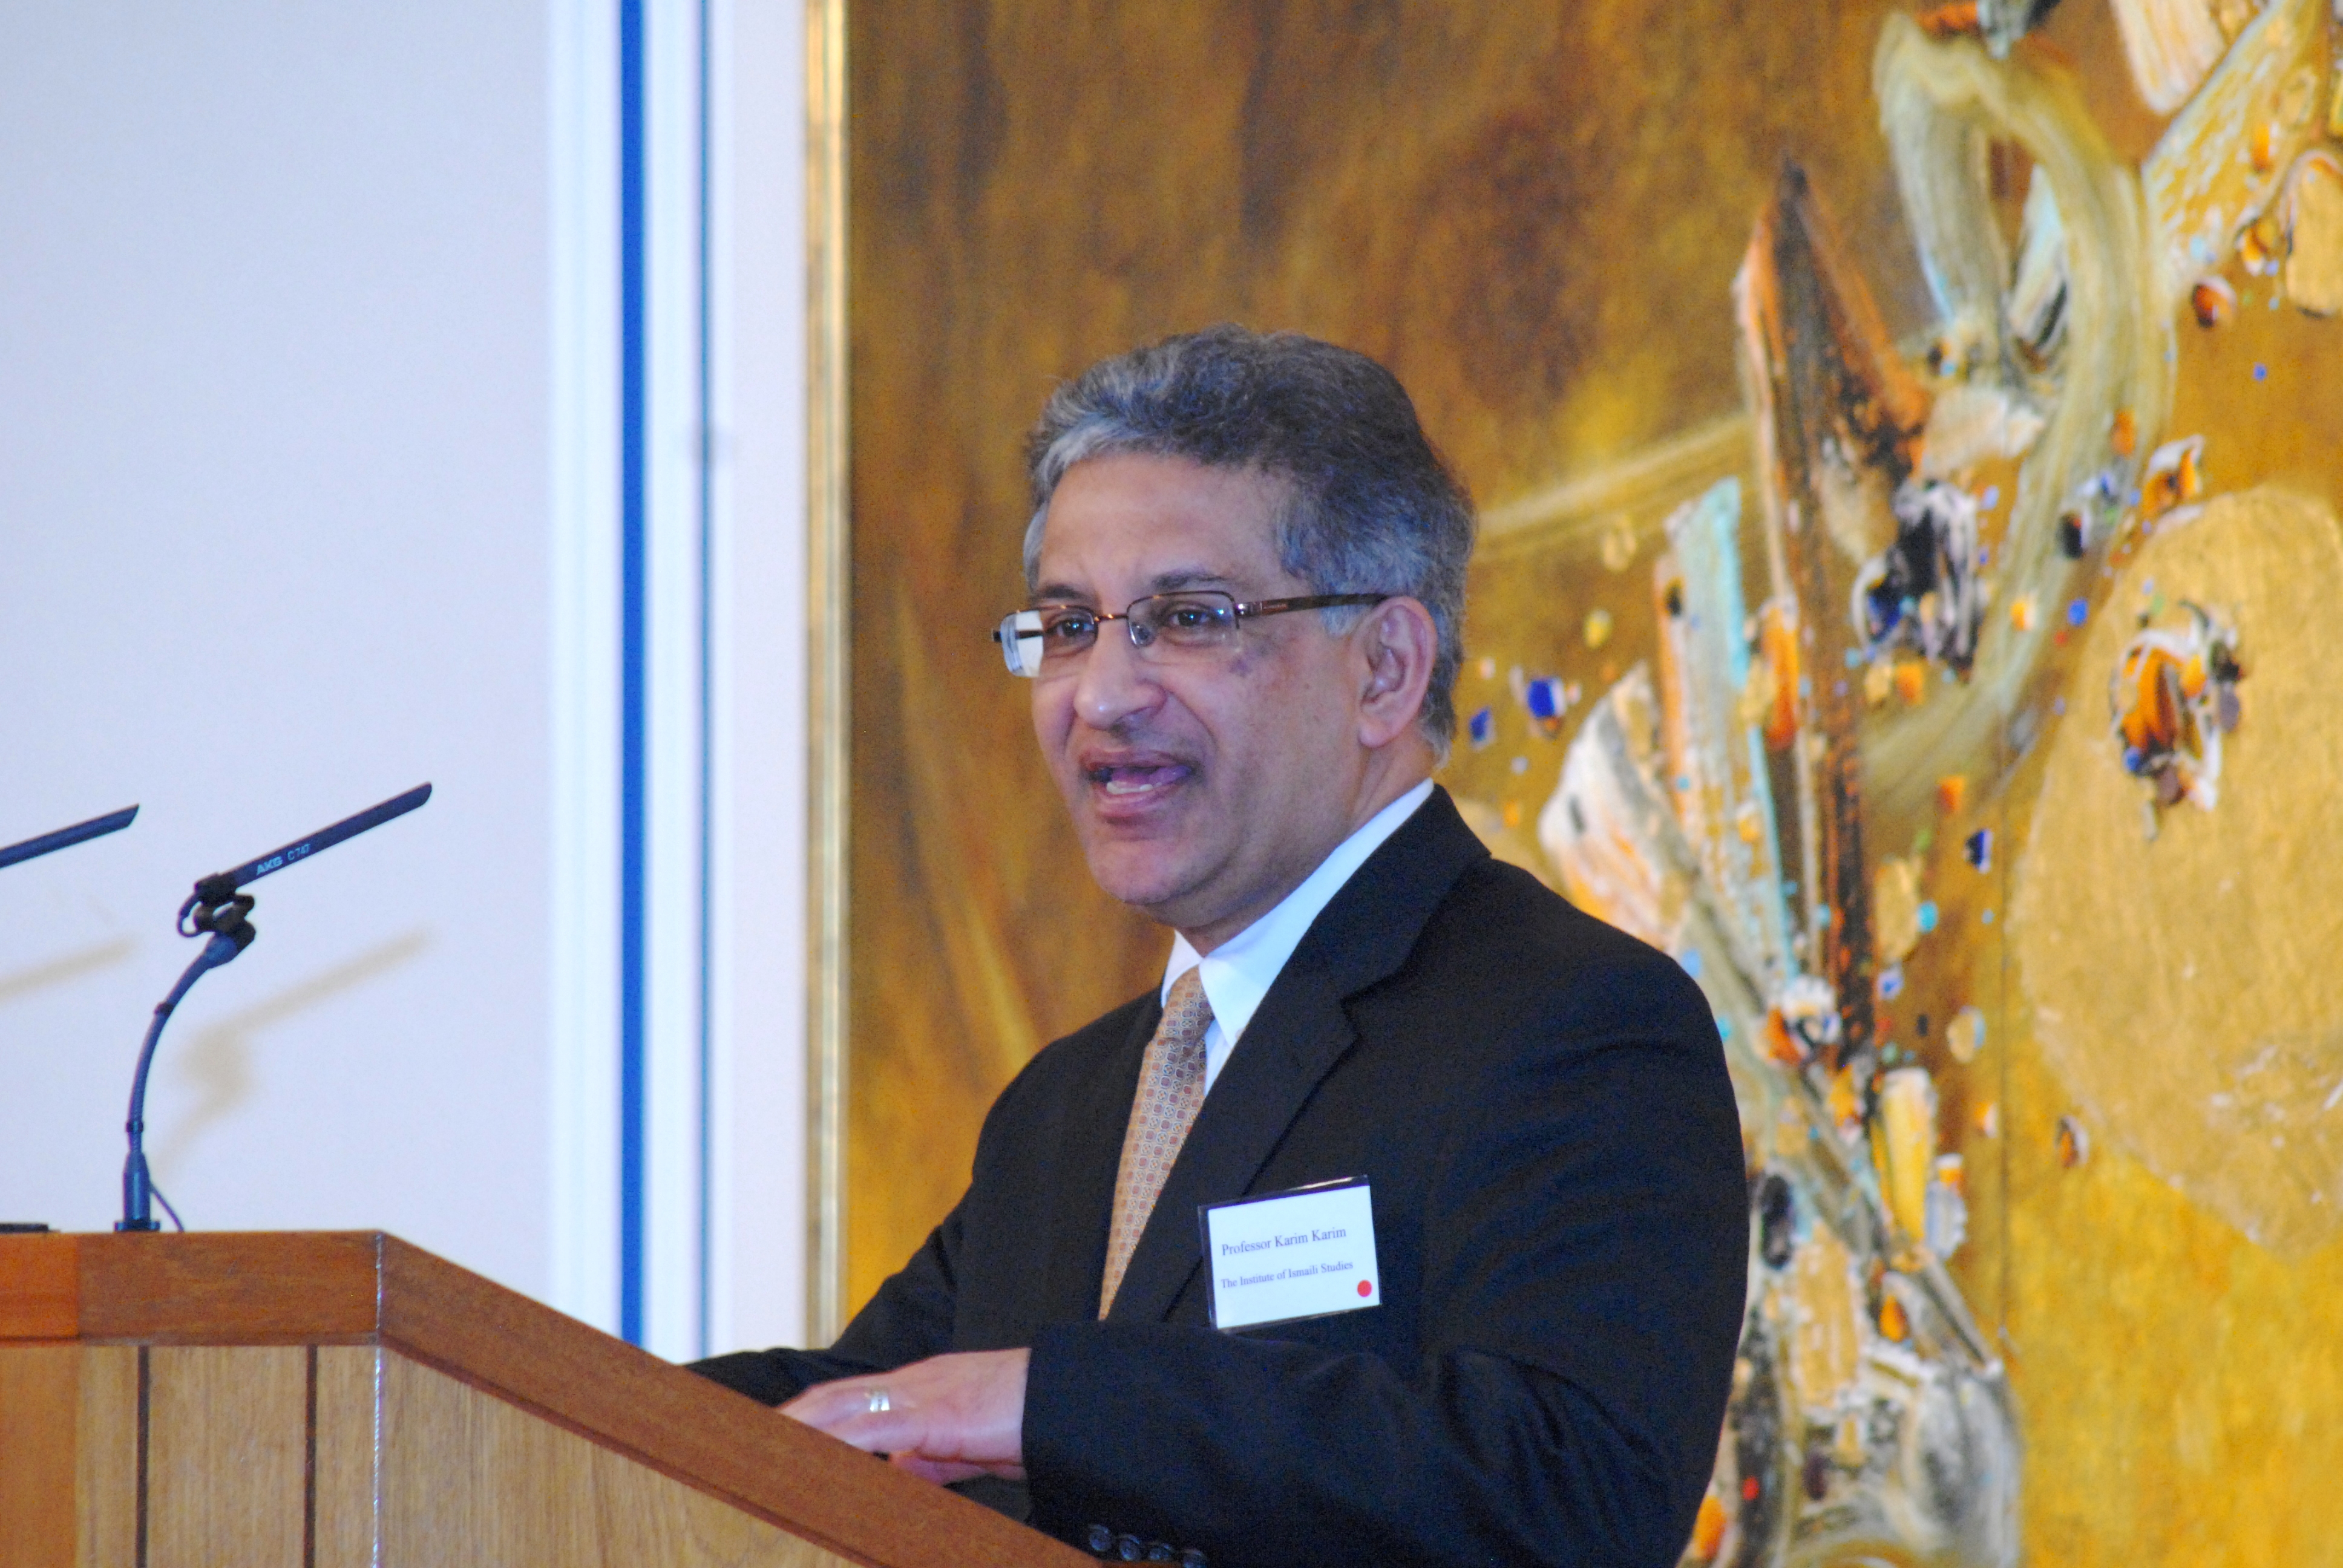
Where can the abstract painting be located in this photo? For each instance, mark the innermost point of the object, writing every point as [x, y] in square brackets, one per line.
[1905, 443]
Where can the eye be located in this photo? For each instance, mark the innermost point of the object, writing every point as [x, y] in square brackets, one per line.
[1068, 625]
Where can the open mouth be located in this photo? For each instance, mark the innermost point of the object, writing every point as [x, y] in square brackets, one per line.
[1133, 783]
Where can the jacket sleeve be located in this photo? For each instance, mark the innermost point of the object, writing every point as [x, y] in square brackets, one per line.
[915, 1313]
[1583, 1277]
[909, 1320]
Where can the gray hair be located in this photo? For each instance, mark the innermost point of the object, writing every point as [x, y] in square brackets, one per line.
[1373, 510]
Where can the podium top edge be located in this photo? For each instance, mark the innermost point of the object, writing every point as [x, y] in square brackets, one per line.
[207, 1288]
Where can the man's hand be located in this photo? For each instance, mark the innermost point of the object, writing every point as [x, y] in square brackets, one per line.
[945, 1418]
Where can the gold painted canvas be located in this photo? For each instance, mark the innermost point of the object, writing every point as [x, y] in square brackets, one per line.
[1906, 445]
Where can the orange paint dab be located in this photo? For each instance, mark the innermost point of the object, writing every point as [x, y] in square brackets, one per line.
[1780, 1043]
[1778, 645]
[1708, 1528]
[2261, 246]
[2171, 485]
[1845, 1108]
[2072, 1143]
[2213, 300]
[2158, 718]
[1892, 1321]
[1952, 793]
[2125, 436]
[1958, 20]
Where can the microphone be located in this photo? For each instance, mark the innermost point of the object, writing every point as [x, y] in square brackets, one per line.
[221, 887]
[217, 910]
[67, 837]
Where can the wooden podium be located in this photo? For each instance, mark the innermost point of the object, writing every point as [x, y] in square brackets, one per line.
[346, 1400]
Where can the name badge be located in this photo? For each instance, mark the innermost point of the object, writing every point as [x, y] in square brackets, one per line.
[1306, 1254]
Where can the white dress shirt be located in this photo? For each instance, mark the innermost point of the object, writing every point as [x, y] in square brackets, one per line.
[1239, 972]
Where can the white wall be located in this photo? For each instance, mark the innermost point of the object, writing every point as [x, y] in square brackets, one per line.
[757, 1271]
[280, 367]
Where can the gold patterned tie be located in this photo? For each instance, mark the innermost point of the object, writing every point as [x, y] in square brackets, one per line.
[1170, 1092]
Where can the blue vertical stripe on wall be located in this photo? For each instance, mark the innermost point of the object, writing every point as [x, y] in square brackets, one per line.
[633, 730]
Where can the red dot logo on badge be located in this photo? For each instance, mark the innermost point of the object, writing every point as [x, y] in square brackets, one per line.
[1366, 1287]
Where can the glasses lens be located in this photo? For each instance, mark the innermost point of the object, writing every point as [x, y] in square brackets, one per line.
[1019, 637]
[1067, 629]
[1184, 620]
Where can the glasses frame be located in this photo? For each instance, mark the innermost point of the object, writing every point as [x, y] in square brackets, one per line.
[1020, 627]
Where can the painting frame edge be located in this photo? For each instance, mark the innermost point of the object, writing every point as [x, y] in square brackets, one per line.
[829, 654]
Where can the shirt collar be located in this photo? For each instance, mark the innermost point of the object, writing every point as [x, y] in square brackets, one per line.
[1239, 972]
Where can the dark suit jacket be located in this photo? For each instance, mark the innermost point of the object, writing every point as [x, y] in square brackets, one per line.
[1560, 1222]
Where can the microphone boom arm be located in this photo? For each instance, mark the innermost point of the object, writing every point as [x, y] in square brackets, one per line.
[218, 907]
[137, 1184]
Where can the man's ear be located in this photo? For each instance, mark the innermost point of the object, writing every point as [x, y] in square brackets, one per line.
[1394, 647]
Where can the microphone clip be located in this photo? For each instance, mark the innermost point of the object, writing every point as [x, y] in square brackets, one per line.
[217, 909]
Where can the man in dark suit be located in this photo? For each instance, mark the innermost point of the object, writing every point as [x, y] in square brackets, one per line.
[1246, 568]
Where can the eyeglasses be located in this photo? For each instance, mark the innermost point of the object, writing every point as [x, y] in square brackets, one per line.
[1164, 626]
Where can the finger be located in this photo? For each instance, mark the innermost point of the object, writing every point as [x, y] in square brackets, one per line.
[912, 1433]
[942, 1472]
[885, 1432]
[953, 1409]
[825, 1401]
[830, 1406]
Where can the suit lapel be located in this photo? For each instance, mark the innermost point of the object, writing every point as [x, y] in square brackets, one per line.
[1301, 1030]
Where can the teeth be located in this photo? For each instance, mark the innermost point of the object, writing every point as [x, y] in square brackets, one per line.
[1120, 785]
[1122, 781]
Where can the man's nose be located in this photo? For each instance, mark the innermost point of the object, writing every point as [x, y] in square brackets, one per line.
[1115, 683]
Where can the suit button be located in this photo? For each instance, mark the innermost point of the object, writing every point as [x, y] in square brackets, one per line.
[1100, 1539]
[1159, 1552]
[1129, 1549]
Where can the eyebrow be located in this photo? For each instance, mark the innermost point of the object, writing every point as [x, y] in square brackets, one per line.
[1188, 578]
[1171, 581]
